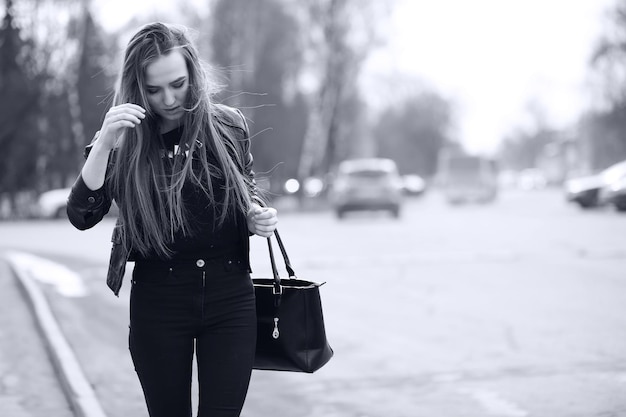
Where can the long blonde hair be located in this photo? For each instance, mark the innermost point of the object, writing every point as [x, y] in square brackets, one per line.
[151, 203]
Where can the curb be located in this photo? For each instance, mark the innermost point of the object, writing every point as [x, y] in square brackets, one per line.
[74, 384]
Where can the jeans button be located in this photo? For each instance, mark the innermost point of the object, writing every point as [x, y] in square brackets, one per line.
[200, 263]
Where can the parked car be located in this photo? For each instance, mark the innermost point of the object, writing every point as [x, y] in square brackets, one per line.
[52, 204]
[585, 191]
[413, 185]
[614, 194]
[367, 184]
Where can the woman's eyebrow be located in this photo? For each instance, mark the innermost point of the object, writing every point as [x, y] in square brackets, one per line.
[177, 80]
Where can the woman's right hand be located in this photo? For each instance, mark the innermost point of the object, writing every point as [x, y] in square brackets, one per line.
[116, 120]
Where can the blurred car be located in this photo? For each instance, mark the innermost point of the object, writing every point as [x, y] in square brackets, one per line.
[413, 185]
[52, 204]
[614, 194]
[367, 184]
[585, 191]
[532, 179]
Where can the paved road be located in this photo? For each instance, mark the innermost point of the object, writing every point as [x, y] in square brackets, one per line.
[511, 309]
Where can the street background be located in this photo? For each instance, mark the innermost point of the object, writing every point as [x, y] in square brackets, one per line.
[508, 309]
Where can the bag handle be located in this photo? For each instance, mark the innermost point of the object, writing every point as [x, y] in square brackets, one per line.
[283, 251]
[290, 271]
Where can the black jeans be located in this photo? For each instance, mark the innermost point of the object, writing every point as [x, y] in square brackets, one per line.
[210, 303]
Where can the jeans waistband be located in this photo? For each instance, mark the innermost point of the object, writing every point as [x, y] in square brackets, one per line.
[201, 263]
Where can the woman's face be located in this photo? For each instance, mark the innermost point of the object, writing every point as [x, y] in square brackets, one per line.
[167, 84]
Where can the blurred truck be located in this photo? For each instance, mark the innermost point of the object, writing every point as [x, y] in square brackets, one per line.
[467, 178]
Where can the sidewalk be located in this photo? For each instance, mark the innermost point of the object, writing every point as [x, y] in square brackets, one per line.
[29, 386]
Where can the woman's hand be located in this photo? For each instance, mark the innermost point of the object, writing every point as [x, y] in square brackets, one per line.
[116, 120]
[262, 220]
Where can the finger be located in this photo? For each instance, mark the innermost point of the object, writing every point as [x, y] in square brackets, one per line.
[115, 115]
[124, 116]
[265, 228]
[266, 214]
[265, 223]
[136, 107]
[130, 106]
[135, 110]
[124, 123]
[263, 233]
[269, 222]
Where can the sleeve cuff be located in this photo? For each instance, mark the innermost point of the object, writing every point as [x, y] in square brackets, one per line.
[84, 196]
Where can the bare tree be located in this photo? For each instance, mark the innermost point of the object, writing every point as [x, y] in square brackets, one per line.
[237, 30]
[255, 44]
[19, 95]
[603, 132]
[341, 33]
[68, 55]
[414, 130]
[609, 56]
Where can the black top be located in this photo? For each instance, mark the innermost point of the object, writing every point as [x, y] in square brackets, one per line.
[206, 239]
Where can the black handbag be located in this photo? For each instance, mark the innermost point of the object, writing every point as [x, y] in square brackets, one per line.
[291, 335]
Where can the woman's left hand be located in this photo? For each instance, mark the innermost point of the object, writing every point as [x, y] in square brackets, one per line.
[262, 220]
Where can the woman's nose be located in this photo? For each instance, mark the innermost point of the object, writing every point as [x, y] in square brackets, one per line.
[168, 97]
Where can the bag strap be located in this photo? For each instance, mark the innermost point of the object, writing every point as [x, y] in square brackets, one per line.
[288, 266]
[290, 271]
[277, 287]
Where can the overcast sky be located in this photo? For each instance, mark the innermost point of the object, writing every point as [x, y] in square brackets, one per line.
[492, 57]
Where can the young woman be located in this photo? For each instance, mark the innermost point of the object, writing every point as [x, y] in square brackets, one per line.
[179, 167]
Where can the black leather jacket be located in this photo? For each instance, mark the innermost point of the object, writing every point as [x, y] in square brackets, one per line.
[86, 208]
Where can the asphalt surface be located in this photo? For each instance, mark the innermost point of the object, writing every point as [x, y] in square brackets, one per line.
[508, 310]
[29, 384]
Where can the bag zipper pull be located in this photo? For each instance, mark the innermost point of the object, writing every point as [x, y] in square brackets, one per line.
[275, 333]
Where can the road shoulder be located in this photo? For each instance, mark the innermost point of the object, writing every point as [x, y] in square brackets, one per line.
[28, 383]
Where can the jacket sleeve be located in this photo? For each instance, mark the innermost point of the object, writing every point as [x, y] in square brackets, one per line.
[248, 161]
[85, 207]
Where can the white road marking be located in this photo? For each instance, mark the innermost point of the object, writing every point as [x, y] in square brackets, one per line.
[65, 281]
[494, 404]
